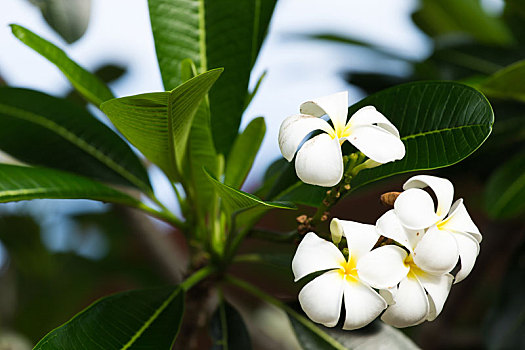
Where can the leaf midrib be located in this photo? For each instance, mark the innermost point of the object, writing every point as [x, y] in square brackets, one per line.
[74, 139]
[425, 133]
[153, 317]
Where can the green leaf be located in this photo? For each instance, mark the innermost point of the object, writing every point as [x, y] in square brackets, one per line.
[159, 123]
[310, 336]
[446, 17]
[43, 130]
[212, 34]
[440, 124]
[377, 335]
[506, 83]
[201, 152]
[228, 330]
[141, 319]
[235, 200]
[69, 18]
[18, 183]
[505, 190]
[243, 153]
[89, 86]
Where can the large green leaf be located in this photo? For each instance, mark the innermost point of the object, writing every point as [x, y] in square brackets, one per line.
[43, 130]
[145, 319]
[69, 18]
[228, 330]
[235, 200]
[159, 123]
[18, 183]
[440, 124]
[212, 34]
[201, 152]
[243, 153]
[375, 336]
[507, 83]
[445, 17]
[86, 83]
[506, 189]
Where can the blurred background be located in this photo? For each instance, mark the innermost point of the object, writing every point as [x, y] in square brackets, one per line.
[57, 257]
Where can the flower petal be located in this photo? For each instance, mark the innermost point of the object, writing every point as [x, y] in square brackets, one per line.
[315, 254]
[390, 226]
[437, 288]
[376, 143]
[415, 209]
[468, 249]
[368, 115]
[295, 128]
[320, 161]
[442, 188]
[411, 304]
[335, 105]
[459, 220]
[383, 267]
[437, 252]
[362, 305]
[360, 238]
[389, 294]
[322, 297]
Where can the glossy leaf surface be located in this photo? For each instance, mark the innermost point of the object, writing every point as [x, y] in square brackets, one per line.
[89, 86]
[228, 330]
[18, 183]
[159, 123]
[141, 319]
[375, 336]
[39, 129]
[235, 200]
[243, 153]
[212, 34]
[440, 124]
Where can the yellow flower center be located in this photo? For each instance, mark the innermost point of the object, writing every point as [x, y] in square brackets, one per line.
[414, 269]
[348, 270]
[341, 132]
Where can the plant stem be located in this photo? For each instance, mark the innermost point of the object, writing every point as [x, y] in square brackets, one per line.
[196, 277]
[164, 215]
[253, 290]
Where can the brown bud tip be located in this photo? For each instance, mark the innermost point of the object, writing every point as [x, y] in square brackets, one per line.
[325, 216]
[328, 192]
[389, 198]
[301, 219]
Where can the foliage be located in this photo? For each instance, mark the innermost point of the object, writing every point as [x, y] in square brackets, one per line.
[206, 51]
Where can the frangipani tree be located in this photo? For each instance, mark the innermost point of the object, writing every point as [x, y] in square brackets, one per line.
[190, 131]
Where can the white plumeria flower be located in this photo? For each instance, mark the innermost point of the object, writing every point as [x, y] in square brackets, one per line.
[322, 297]
[320, 161]
[447, 236]
[414, 294]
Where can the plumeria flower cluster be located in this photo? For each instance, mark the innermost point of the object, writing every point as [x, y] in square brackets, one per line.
[319, 161]
[409, 281]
